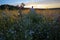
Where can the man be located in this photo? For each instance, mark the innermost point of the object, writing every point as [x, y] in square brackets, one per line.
[32, 9]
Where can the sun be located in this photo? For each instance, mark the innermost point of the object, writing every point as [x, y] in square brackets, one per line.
[36, 6]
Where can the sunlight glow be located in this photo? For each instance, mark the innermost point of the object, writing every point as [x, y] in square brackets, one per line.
[37, 6]
[42, 6]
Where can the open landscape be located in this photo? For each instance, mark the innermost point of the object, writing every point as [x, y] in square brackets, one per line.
[52, 13]
[29, 19]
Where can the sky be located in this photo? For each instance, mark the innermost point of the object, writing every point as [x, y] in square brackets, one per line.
[35, 3]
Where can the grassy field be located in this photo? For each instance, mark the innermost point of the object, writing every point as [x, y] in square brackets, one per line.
[39, 11]
[49, 13]
[41, 24]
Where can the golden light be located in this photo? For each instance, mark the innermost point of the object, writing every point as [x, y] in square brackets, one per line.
[36, 6]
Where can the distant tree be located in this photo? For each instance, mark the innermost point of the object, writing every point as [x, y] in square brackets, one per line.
[22, 5]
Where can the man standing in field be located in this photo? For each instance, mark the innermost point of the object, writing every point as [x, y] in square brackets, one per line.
[32, 9]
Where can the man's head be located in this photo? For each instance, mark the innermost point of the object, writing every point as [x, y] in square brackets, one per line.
[32, 6]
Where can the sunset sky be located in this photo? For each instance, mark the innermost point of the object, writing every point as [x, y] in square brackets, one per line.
[35, 3]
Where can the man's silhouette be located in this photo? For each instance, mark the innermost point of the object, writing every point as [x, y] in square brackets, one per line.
[32, 9]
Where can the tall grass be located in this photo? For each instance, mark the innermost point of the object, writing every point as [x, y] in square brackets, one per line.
[32, 26]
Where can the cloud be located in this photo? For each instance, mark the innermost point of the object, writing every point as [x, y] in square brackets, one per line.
[49, 1]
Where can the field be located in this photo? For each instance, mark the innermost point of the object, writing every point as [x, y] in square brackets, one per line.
[49, 13]
[40, 24]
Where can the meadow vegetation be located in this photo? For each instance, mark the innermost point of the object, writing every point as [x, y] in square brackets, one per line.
[30, 26]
